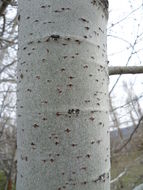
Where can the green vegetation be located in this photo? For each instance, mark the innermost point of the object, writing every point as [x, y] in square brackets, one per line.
[132, 162]
[3, 181]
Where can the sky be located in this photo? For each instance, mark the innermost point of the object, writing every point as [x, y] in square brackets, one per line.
[125, 46]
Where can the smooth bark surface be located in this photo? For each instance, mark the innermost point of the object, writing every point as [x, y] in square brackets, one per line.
[62, 102]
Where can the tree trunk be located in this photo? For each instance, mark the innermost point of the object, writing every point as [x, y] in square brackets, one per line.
[62, 103]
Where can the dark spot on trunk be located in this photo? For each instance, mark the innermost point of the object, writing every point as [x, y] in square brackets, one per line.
[35, 125]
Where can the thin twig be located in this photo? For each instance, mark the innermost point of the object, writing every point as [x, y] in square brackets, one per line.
[131, 136]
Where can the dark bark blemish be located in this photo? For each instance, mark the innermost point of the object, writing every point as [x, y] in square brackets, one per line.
[44, 119]
[70, 77]
[29, 43]
[21, 76]
[58, 114]
[84, 183]
[86, 27]
[93, 2]
[88, 156]
[24, 158]
[92, 118]
[101, 30]
[18, 18]
[78, 157]
[87, 101]
[68, 39]
[70, 85]
[68, 130]
[83, 168]
[44, 161]
[59, 90]
[96, 33]
[84, 20]
[51, 160]
[74, 145]
[51, 22]
[85, 66]
[56, 143]
[78, 41]
[98, 141]
[29, 90]
[63, 69]
[38, 77]
[55, 37]
[35, 125]
[74, 111]
[100, 178]
[65, 8]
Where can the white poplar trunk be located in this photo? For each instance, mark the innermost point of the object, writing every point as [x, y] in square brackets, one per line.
[62, 103]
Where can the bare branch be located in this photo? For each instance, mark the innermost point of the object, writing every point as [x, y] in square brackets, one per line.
[119, 176]
[4, 22]
[8, 80]
[129, 58]
[125, 70]
[126, 104]
[7, 66]
[124, 18]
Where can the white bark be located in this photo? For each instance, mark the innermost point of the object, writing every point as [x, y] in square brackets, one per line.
[139, 187]
[62, 103]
